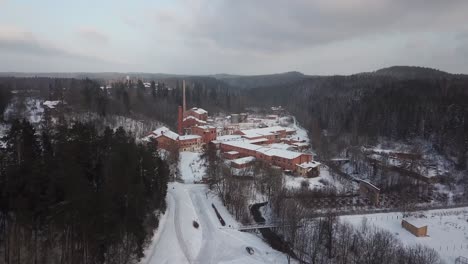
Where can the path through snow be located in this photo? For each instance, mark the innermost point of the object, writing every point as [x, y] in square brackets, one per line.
[177, 241]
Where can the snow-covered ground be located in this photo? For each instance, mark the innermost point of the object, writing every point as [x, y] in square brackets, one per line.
[177, 241]
[447, 230]
[294, 182]
[191, 167]
[29, 108]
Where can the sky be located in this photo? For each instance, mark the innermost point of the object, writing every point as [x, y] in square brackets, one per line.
[232, 36]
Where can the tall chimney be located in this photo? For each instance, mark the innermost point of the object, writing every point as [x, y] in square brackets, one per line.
[183, 96]
[179, 121]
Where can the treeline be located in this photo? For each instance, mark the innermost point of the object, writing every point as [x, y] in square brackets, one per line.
[130, 98]
[343, 111]
[73, 195]
[329, 241]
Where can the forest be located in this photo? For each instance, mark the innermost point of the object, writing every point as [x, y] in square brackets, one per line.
[344, 111]
[72, 194]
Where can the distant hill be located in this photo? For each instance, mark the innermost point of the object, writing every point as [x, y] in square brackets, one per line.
[411, 72]
[93, 75]
[254, 81]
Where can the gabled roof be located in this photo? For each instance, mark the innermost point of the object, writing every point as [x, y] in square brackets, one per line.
[199, 111]
[194, 118]
[164, 131]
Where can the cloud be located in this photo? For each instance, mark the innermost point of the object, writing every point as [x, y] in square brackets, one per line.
[270, 26]
[93, 35]
[19, 43]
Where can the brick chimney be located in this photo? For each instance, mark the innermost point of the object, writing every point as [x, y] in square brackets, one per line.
[179, 121]
[183, 97]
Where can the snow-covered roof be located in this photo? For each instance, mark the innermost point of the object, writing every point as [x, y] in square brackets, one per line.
[301, 144]
[268, 151]
[281, 153]
[149, 137]
[309, 165]
[244, 160]
[198, 120]
[199, 111]
[187, 137]
[259, 140]
[206, 127]
[266, 131]
[227, 138]
[232, 152]
[51, 104]
[166, 132]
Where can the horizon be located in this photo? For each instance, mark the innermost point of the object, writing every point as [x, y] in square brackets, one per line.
[216, 74]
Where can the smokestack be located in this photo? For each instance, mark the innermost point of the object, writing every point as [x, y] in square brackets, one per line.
[183, 96]
[179, 121]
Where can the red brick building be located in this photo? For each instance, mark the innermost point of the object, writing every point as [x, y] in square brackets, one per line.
[273, 134]
[198, 113]
[191, 121]
[230, 155]
[285, 159]
[168, 140]
[207, 133]
[242, 163]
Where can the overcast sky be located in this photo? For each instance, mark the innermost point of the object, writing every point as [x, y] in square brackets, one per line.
[232, 36]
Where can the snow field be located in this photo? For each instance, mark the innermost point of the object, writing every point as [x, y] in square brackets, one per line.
[447, 230]
[191, 167]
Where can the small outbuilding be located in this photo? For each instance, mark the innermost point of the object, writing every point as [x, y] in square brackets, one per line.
[310, 169]
[415, 226]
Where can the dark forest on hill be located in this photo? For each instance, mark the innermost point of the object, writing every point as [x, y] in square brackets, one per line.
[73, 195]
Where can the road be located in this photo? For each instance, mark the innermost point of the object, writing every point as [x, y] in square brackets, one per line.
[177, 241]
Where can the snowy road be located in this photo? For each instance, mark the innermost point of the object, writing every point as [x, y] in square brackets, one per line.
[177, 241]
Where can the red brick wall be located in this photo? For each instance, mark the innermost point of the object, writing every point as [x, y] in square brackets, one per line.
[231, 156]
[206, 134]
[190, 112]
[190, 123]
[285, 164]
[165, 142]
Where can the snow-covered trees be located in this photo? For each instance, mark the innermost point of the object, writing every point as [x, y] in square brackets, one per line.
[72, 195]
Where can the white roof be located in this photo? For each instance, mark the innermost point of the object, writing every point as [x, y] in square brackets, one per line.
[206, 127]
[186, 137]
[243, 160]
[198, 120]
[51, 104]
[301, 144]
[281, 153]
[309, 165]
[149, 137]
[259, 140]
[232, 152]
[199, 111]
[266, 131]
[227, 138]
[166, 132]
